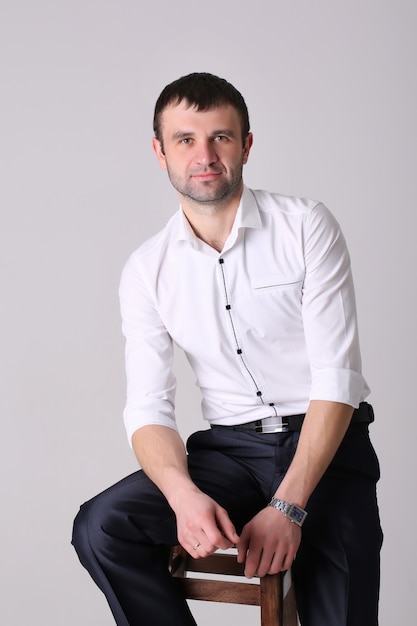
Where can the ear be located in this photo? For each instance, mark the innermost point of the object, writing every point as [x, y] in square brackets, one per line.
[157, 148]
[247, 146]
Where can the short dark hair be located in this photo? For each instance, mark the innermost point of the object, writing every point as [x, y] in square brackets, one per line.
[203, 91]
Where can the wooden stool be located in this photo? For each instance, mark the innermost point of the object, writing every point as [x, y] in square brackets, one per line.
[277, 607]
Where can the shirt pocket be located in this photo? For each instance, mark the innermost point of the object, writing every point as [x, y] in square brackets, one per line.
[277, 283]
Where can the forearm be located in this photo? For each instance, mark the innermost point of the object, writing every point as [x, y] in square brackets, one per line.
[162, 456]
[201, 522]
[323, 429]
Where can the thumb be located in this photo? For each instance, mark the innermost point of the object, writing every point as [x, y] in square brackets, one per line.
[226, 526]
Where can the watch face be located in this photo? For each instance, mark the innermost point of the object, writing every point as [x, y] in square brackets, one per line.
[297, 514]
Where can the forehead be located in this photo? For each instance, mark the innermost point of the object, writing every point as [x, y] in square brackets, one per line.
[184, 116]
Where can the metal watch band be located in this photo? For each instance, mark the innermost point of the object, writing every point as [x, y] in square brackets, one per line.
[294, 513]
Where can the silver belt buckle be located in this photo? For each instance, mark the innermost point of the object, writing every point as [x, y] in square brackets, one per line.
[273, 424]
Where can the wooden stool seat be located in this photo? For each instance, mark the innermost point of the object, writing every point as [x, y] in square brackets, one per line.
[270, 593]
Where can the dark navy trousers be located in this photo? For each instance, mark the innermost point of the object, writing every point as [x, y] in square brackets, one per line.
[123, 535]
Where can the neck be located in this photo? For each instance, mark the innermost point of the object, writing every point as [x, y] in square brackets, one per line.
[211, 224]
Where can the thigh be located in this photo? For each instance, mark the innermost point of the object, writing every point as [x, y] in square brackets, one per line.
[240, 469]
[133, 509]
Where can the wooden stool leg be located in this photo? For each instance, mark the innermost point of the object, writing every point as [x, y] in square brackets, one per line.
[272, 610]
[290, 608]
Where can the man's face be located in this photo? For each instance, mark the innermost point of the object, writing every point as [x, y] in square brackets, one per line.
[203, 153]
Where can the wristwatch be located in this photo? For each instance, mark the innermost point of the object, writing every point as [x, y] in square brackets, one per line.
[294, 513]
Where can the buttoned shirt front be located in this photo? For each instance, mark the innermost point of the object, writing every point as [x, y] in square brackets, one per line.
[267, 325]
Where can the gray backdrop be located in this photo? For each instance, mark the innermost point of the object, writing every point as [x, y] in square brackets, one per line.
[331, 91]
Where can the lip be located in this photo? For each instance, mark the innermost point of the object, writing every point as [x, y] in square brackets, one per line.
[207, 176]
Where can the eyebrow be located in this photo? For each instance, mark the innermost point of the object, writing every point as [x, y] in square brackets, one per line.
[181, 134]
[225, 131]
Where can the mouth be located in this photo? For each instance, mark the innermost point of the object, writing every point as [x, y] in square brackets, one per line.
[206, 176]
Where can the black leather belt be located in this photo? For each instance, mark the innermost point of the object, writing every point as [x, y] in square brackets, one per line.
[292, 423]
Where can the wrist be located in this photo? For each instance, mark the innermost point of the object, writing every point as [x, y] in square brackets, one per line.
[292, 511]
[182, 489]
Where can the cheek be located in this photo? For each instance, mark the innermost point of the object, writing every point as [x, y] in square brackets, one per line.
[178, 161]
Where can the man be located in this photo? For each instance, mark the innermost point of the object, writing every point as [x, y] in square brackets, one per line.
[256, 288]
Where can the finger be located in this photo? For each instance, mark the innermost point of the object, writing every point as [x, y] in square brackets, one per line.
[269, 563]
[192, 542]
[228, 534]
[252, 563]
[197, 551]
[253, 555]
[288, 561]
[206, 541]
[282, 561]
[197, 547]
[242, 546]
[212, 542]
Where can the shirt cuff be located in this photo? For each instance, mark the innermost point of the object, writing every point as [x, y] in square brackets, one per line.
[338, 385]
[134, 421]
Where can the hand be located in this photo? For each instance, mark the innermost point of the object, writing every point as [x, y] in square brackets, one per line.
[204, 523]
[268, 543]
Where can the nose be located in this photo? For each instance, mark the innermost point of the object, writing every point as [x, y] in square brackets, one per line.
[206, 154]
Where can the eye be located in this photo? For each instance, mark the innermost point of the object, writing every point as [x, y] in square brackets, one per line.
[186, 140]
[221, 138]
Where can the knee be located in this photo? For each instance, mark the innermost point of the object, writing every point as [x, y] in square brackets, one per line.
[80, 535]
[87, 533]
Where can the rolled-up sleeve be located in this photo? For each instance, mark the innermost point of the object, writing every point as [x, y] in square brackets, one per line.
[329, 313]
[149, 355]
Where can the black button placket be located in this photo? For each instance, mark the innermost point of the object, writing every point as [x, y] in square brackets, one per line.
[239, 350]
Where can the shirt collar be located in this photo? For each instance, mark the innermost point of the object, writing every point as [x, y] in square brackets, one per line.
[247, 216]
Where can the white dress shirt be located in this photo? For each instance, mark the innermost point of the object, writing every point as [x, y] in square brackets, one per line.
[267, 325]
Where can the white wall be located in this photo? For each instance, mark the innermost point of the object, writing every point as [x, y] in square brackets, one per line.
[331, 91]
